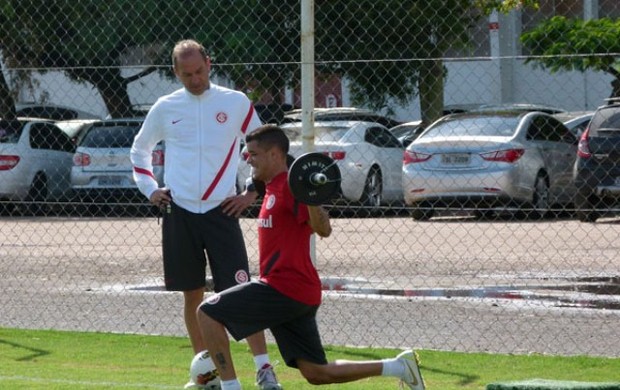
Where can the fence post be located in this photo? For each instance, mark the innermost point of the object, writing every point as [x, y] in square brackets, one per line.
[307, 87]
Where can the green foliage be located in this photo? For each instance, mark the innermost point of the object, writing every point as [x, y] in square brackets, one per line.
[505, 5]
[382, 47]
[560, 43]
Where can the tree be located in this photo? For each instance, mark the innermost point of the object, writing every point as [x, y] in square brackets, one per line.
[566, 44]
[391, 50]
[87, 39]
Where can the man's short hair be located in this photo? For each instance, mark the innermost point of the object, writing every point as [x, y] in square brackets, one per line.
[268, 136]
[187, 46]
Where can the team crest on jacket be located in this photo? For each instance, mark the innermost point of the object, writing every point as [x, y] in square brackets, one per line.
[221, 117]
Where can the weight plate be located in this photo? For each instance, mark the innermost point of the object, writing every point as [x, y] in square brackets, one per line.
[314, 178]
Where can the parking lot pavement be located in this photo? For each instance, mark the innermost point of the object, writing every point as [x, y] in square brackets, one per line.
[449, 284]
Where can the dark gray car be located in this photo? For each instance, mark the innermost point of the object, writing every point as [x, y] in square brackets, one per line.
[597, 168]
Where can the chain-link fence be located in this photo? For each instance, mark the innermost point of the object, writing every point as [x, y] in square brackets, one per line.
[467, 237]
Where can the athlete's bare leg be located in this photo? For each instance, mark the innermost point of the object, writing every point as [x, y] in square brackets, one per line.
[193, 299]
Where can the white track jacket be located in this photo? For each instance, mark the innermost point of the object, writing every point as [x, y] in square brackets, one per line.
[202, 136]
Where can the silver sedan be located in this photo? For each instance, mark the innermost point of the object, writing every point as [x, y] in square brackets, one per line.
[484, 160]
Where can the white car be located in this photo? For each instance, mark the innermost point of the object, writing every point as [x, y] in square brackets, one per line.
[51, 111]
[368, 155]
[76, 128]
[102, 169]
[35, 162]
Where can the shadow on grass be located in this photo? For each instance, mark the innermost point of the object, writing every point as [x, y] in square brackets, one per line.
[34, 352]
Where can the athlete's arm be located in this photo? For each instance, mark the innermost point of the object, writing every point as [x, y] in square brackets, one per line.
[319, 221]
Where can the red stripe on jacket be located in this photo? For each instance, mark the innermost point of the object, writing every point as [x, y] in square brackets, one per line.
[248, 117]
[220, 172]
[143, 171]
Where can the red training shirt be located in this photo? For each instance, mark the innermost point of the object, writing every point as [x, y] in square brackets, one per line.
[284, 244]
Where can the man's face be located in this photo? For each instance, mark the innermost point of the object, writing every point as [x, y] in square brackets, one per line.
[261, 160]
[193, 72]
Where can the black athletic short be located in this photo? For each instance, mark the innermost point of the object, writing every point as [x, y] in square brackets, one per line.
[255, 306]
[187, 236]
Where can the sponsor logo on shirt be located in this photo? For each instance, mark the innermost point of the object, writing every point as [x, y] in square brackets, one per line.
[271, 200]
[265, 222]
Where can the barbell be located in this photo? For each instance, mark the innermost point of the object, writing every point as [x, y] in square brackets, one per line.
[313, 178]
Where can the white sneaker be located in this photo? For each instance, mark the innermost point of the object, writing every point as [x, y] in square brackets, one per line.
[266, 378]
[412, 376]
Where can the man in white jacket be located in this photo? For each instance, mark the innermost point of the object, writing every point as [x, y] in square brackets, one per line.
[201, 125]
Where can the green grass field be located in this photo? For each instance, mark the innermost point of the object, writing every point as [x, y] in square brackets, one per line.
[34, 359]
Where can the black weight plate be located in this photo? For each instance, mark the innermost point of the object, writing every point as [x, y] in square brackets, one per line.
[302, 171]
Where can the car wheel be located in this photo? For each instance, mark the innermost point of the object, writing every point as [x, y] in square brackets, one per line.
[37, 195]
[585, 207]
[422, 212]
[540, 200]
[373, 188]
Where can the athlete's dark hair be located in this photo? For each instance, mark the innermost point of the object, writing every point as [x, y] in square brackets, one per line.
[268, 136]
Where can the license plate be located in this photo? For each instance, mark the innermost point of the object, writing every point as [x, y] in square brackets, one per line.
[110, 181]
[455, 159]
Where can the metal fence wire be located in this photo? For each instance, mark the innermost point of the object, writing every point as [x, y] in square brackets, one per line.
[474, 236]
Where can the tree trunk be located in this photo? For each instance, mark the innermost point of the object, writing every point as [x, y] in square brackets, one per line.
[615, 88]
[112, 87]
[431, 85]
[7, 105]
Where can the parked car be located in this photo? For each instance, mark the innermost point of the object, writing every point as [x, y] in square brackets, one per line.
[597, 169]
[368, 154]
[408, 131]
[35, 162]
[486, 160]
[272, 113]
[576, 121]
[76, 128]
[523, 107]
[51, 111]
[460, 108]
[342, 114]
[102, 169]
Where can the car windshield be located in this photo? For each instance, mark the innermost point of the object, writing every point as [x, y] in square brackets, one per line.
[117, 136]
[321, 133]
[72, 128]
[403, 130]
[606, 120]
[502, 126]
[329, 134]
[10, 131]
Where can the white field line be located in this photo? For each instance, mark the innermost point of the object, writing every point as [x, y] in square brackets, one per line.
[27, 379]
